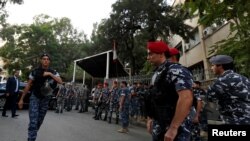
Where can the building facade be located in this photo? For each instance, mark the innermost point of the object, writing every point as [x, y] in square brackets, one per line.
[196, 52]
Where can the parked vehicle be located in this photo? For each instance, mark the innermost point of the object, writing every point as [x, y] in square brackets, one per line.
[52, 102]
[2, 95]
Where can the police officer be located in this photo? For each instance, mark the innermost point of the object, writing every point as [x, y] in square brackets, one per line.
[174, 55]
[197, 102]
[96, 101]
[77, 97]
[104, 101]
[83, 92]
[60, 98]
[42, 79]
[114, 102]
[124, 107]
[141, 100]
[170, 99]
[232, 91]
[134, 101]
[70, 93]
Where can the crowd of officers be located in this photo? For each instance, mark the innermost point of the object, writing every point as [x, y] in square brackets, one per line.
[69, 95]
[106, 102]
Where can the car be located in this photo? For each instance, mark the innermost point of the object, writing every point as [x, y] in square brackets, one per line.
[3, 96]
[52, 102]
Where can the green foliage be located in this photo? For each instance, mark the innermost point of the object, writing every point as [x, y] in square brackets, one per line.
[25, 43]
[237, 13]
[134, 22]
[4, 2]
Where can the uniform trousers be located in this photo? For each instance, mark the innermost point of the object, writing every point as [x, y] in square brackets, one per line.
[37, 111]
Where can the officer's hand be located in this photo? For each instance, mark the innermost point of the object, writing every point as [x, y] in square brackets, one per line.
[149, 126]
[170, 134]
[120, 108]
[47, 74]
[20, 104]
[7, 94]
[196, 119]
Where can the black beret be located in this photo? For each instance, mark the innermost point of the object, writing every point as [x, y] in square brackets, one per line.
[44, 54]
[221, 59]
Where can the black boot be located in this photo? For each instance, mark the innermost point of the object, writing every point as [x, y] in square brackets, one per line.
[105, 118]
[57, 111]
[109, 120]
[117, 121]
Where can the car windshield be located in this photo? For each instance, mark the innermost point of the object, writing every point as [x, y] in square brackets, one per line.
[2, 85]
[21, 86]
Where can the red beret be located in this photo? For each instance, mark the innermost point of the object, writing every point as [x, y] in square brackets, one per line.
[173, 51]
[157, 47]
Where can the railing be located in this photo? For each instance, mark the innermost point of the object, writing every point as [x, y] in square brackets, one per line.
[131, 79]
[147, 78]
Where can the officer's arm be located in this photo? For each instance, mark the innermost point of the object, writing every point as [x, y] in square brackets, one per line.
[198, 110]
[183, 107]
[55, 77]
[122, 100]
[26, 89]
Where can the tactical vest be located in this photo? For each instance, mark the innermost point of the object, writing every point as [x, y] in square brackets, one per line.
[162, 99]
[39, 81]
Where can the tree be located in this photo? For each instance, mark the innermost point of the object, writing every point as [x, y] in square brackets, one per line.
[134, 22]
[4, 2]
[25, 43]
[237, 13]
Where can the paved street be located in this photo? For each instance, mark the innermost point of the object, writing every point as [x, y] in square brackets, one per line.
[69, 126]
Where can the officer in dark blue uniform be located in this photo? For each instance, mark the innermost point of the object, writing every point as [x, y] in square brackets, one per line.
[170, 99]
[124, 107]
[114, 102]
[232, 91]
[197, 102]
[43, 80]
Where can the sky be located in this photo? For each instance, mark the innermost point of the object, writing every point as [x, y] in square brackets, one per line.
[82, 13]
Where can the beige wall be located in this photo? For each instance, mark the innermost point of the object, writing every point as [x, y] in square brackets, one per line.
[192, 56]
[216, 36]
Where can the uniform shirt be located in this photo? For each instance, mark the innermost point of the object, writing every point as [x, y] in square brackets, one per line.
[97, 93]
[84, 92]
[105, 94]
[232, 91]
[125, 92]
[62, 91]
[198, 92]
[115, 95]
